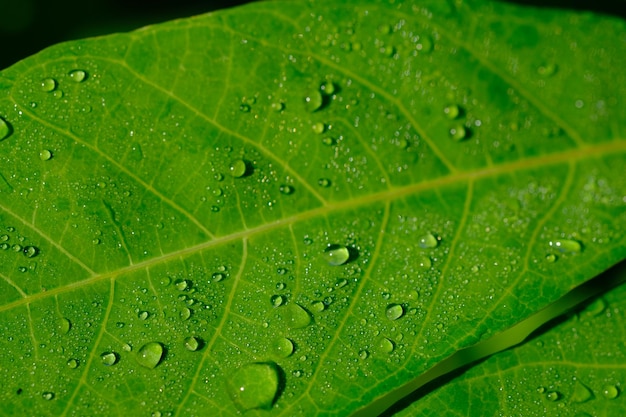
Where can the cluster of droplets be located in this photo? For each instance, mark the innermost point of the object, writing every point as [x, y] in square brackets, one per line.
[12, 242]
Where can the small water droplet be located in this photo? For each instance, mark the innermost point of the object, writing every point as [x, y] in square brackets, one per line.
[384, 29]
[328, 87]
[217, 277]
[581, 393]
[5, 129]
[72, 363]
[281, 286]
[286, 189]
[47, 395]
[296, 316]
[313, 101]
[323, 182]
[318, 127]
[78, 75]
[386, 345]
[336, 254]
[4, 238]
[567, 245]
[307, 241]
[318, 306]
[185, 313]
[182, 284]
[458, 132]
[277, 300]
[109, 358]
[45, 155]
[57, 94]
[364, 354]
[425, 44]
[22, 269]
[328, 141]
[452, 111]
[143, 315]
[394, 311]
[424, 262]
[127, 347]
[64, 325]
[428, 241]
[282, 347]
[553, 395]
[48, 84]
[31, 251]
[192, 343]
[551, 258]
[254, 386]
[150, 354]
[610, 392]
[238, 168]
[278, 106]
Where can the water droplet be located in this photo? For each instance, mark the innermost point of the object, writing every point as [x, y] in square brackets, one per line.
[328, 87]
[182, 284]
[278, 106]
[296, 316]
[341, 282]
[553, 395]
[143, 315]
[4, 238]
[48, 84]
[610, 392]
[277, 300]
[547, 70]
[45, 155]
[386, 345]
[109, 358]
[567, 245]
[5, 129]
[64, 325]
[318, 306]
[244, 108]
[254, 386]
[458, 132]
[323, 182]
[58, 94]
[364, 354]
[192, 343]
[286, 189]
[581, 393]
[217, 277]
[328, 141]
[452, 111]
[17, 248]
[394, 311]
[282, 347]
[318, 127]
[297, 373]
[384, 29]
[150, 354]
[281, 286]
[336, 254]
[424, 262]
[238, 168]
[47, 395]
[22, 269]
[596, 307]
[72, 363]
[4, 246]
[127, 347]
[78, 75]
[425, 44]
[313, 101]
[307, 240]
[31, 251]
[428, 241]
[185, 313]
[551, 258]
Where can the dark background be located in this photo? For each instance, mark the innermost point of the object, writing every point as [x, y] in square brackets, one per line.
[28, 26]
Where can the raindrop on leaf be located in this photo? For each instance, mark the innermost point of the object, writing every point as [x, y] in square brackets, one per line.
[254, 386]
[150, 354]
[109, 358]
[78, 75]
[48, 84]
[336, 254]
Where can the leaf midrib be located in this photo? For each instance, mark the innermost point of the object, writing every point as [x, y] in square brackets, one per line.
[571, 156]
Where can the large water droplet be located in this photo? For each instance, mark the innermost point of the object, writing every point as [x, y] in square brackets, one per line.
[610, 392]
[336, 254]
[428, 241]
[31, 251]
[296, 316]
[581, 393]
[5, 129]
[424, 262]
[238, 168]
[64, 325]
[567, 245]
[459, 132]
[452, 111]
[182, 285]
[72, 363]
[254, 386]
[143, 315]
[318, 127]
[386, 345]
[282, 347]
[45, 155]
[277, 300]
[394, 311]
[109, 358]
[150, 354]
[313, 101]
[78, 75]
[48, 84]
[192, 343]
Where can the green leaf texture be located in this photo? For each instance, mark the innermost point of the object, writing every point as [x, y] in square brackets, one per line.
[292, 208]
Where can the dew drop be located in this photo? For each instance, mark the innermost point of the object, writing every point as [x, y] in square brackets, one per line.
[64, 325]
[425, 44]
[238, 168]
[45, 155]
[143, 315]
[281, 286]
[185, 313]
[127, 347]
[47, 395]
[336, 254]
[424, 262]
[553, 395]
[328, 141]
[150, 354]
[610, 392]
[452, 111]
[428, 241]
[386, 345]
[244, 108]
[109, 358]
[277, 300]
[313, 101]
[217, 277]
[254, 386]
[364, 354]
[278, 106]
[394, 311]
[318, 127]
[31, 251]
[547, 70]
[78, 75]
[182, 285]
[192, 343]
[282, 347]
[296, 316]
[286, 189]
[5, 129]
[328, 87]
[48, 84]
[318, 306]
[58, 94]
[72, 363]
[4, 238]
[323, 182]
[581, 393]
[551, 258]
[567, 245]
[458, 132]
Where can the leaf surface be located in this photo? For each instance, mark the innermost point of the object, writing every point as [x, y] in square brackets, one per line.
[326, 199]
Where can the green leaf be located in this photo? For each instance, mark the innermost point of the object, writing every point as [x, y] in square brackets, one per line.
[321, 199]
